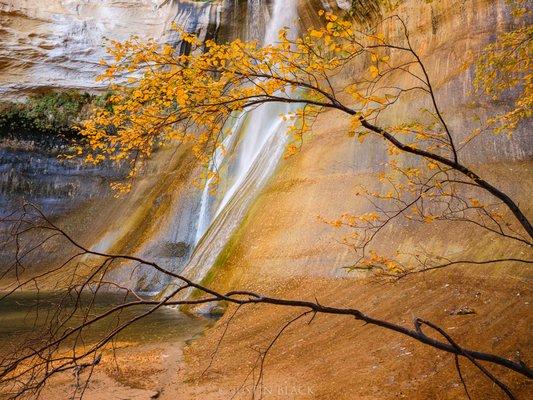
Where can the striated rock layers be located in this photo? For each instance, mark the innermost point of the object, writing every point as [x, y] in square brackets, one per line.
[58, 43]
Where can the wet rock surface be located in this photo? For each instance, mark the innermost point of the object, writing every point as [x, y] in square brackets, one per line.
[32, 173]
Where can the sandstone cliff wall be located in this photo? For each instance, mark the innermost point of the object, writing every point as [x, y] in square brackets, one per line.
[282, 235]
[58, 44]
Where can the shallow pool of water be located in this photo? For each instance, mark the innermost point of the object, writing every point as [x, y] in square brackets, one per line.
[32, 317]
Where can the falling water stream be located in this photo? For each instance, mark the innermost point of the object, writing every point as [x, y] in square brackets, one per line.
[203, 225]
[255, 143]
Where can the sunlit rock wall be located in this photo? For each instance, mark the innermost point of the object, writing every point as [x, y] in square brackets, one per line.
[58, 43]
[54, 44]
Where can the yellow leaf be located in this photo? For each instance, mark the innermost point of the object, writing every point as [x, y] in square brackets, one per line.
[429, 218]
[355, 123]
[475, 202]
[315, 33]
[432, 165]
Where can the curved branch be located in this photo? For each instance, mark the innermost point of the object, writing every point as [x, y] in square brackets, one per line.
[247, 297]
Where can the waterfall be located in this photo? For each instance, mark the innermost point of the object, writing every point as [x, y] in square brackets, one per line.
[255, 143]
[179, 229]
[255, 129]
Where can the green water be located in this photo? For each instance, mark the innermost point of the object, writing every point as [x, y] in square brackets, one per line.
[31, 317]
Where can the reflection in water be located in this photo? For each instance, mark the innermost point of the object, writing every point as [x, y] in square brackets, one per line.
[31, 317]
